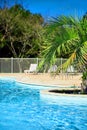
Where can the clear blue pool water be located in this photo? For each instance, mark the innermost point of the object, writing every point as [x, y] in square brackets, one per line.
[22, 107]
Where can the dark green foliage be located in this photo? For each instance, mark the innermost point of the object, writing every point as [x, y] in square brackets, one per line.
[84, 77]
[66, 91]
[20, 32]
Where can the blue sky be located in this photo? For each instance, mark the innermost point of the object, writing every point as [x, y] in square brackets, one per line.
[48, 8]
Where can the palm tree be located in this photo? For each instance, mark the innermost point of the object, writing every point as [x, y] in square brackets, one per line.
[67, 37]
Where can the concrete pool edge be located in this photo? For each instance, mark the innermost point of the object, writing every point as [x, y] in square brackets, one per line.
[51, 87]
[61, 83]
[46, 91]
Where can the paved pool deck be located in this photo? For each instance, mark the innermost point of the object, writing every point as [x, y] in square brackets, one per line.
[46, 79]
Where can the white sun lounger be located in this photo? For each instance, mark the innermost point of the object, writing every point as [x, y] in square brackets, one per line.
[70, 69]
[33, 68]
[53, 68]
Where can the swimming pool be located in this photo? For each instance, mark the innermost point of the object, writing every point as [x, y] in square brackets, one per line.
[22, 107]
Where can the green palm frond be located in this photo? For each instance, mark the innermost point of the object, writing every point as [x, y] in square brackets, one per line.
[66, 35]
[66, 64]
[83, 56]
[65, 20]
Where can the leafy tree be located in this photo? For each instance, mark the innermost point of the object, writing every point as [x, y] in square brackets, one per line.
[20, 32]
